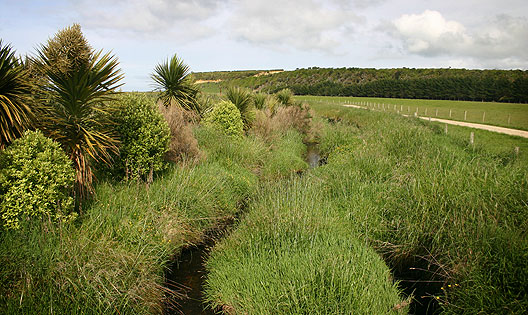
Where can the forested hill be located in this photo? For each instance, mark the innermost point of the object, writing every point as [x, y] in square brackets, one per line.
[453, 84]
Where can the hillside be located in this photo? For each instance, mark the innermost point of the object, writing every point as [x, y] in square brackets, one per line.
[453, 84]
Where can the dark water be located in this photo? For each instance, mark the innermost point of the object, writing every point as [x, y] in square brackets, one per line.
[187, 275]
[186, 279]
[313, 158]
[423, 281]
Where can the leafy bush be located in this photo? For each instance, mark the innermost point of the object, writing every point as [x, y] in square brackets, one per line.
[36, 177]
[144, 135]
[243, 100]
[226, 117]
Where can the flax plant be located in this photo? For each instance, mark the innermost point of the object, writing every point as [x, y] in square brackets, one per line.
[76, 103]
[15, 111]
[172, 79]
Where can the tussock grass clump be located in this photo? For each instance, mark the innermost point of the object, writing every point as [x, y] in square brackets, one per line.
[459, 207]
[270, 124]
[286, 157]
[292, 255]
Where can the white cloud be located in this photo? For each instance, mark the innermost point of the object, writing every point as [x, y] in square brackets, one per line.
[497, 42]
[304, 24]
[430, 34]
[150, 18]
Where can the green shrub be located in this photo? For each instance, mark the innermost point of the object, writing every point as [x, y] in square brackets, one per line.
[226, 117]
[285, 97]
[259, 100]
[144, 136]
[243, 100]
[36, 177]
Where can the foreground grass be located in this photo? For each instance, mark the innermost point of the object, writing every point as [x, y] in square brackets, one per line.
[292, 255]
[499, 114]
[113, 259]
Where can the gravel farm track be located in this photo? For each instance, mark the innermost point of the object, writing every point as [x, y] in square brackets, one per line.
[508, 131]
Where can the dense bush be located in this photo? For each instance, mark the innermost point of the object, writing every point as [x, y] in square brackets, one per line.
[451, 84]
[36, 177]
[144, 137]
[243, 100]
[226, 117]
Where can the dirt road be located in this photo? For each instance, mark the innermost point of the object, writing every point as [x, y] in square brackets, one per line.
[508, 131]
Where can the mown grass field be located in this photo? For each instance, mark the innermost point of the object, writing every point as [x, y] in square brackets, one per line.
[499, 114]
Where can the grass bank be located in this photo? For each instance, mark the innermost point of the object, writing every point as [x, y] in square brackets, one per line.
[447, 217]
[113, 258]
[459, 208]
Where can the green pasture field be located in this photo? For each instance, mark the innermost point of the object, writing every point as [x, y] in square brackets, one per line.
[209, 87]
[491, 142]
[510, 115]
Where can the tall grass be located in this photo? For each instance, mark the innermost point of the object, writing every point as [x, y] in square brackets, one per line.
[112, 259]
[292, 254]
[462, 208]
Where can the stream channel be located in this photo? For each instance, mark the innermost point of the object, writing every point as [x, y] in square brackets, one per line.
[187, 272]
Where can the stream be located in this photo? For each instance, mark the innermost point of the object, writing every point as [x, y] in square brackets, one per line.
[187, 272]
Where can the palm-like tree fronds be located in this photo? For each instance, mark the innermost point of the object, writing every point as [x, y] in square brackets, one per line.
[78, 116]
[15, 113]
[285, 97]
[243, 100]
[259, 100]
[172, 79]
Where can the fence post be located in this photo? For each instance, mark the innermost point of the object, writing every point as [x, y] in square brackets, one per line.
[436, 114]
[465, 115]
[446, 129]
[472, 138]
[516, 151]
[483, 116]
[450, 113]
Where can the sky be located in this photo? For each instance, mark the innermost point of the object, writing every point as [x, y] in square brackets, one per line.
[217, 35]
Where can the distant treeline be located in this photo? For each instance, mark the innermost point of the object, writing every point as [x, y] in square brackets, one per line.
[449, 84]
